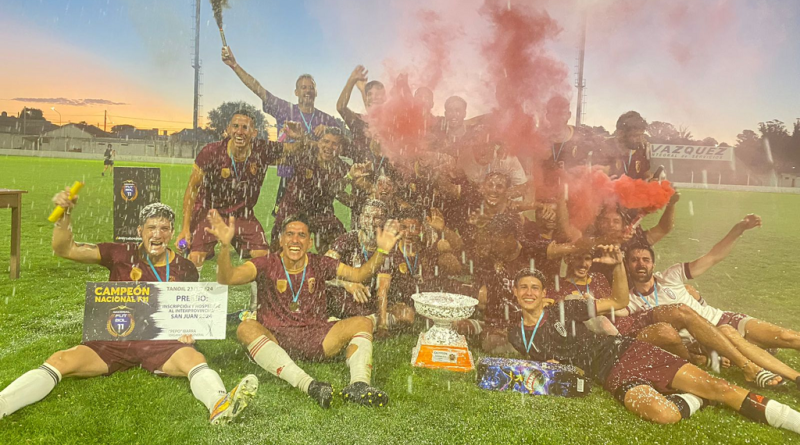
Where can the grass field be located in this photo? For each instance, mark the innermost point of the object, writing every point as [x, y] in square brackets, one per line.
[42, 312]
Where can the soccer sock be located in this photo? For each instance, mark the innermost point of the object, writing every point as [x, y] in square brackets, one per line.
[28, 389]
[687, 404]
[781, 416]
[253, 296]
[270, 356]
[361, 361]
[206, 385]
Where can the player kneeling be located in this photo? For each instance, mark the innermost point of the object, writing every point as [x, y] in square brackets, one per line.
[652, 383]
[292, 316]
[149, 261]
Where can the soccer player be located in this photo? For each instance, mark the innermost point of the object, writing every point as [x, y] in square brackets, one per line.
[227, 175]
[313, 120]
[667, 287]
[108, 161]
[481, 157]
[321, 177]
[150, 260]
[364, 147]
[650, 382]
[629, 151]
[292, 320]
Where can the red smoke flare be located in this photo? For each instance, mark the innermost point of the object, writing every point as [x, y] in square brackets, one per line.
[643, 195]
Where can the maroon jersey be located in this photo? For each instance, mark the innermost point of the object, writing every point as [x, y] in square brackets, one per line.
[232, 188]
[313, 187]
[597, 286]
[275, 293]
[412, 274]
[633, 163]
[126, 263]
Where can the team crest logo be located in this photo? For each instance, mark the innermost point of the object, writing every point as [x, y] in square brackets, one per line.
[136, 273]
[575, 151]
[618, 164]
[413, 187]
[498, 267]
[309, 173]
[253, 169]
[129, 191]
[226, 173]
[281, 285]
[120, 321]
[638, 166]
[403, 268]
[311, 283]
[560, 328]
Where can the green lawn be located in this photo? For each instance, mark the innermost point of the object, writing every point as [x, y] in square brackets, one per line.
[42, 312]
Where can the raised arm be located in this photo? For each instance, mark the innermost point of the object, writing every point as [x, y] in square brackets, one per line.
[189, 198]
[724, 247]
[620, 293]
[359, 75]
[386, 240]
[248, 80]
[63, 244]
[666, 223]
[226, 273]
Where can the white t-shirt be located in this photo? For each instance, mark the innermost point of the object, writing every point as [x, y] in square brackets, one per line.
[669, 285]
[476, 173]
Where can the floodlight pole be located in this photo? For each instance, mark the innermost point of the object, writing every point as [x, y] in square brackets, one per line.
[196, 65]
[581, 84]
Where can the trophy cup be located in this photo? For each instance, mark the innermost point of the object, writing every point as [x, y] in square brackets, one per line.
[441, 347]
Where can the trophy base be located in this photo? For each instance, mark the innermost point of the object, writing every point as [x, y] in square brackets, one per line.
[435, 356]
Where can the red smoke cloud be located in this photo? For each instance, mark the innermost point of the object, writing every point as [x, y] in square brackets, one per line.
[639, 194]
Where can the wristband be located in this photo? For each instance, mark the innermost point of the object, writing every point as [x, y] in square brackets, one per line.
[379, 250]
[348, 177]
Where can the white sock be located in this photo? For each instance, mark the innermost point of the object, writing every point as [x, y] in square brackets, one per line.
[253, 296]
[361, 361]
[694, 402]
[781, 416]
[270, 356]
[206, 385]
[200, 269]
[28, 389]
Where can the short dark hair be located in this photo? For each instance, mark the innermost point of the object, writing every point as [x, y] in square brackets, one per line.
[452, 99]
[640, 246]
[527, 272]
[501, 174]
[299, 217]
[412, 212]
[373, 84]
[157, 210]
[631, 121]
[245, 113]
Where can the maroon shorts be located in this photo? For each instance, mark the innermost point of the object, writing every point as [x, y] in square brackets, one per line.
[122, 355]
[631, 325]
[249, 236]
[643, 364]
[303, 342]
[735, 320]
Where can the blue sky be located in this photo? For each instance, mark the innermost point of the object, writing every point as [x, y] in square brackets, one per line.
[712, 65]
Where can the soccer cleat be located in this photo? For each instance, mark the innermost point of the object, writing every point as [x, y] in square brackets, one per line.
[232, 404]
[363, 394]
[322, 392]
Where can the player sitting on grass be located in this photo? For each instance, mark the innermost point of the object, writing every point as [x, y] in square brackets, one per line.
[650, 382]
[292, 319]
[748, 334]
[149, 261]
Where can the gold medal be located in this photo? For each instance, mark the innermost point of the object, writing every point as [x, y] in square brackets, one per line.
[294, 306]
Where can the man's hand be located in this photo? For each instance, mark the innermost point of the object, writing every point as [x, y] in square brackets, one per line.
[388, 236]
[611, 255]
[293, 130]
[359, 74]
[319, 130]
[750, 221]
[358, 171]
[547, 213]
[435, 219]
[359, 292]
[227, 57]
[674, 198]
[187, 339]
[185, 234]
[62, 199]
[223, 232]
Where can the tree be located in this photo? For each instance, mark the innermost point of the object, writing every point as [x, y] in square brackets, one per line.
[780, 144]
[662, 132]
[709, 141]
[750, 150]
[33, 114]
[685, 136]
[220, 117]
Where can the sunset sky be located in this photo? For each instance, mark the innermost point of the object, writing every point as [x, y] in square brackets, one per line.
[715, 66]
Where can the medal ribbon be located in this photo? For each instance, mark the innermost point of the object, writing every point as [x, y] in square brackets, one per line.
[308, 122]
[153, 268]
[527, 343]
[655, 292]
[558, 155]
[296, 295]
[364, 251]
[628, 165]
[579, 289]
[416, 259]
[236, 173]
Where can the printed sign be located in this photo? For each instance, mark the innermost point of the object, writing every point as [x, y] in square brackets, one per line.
[134, 188]
[696, 152]
[122, 311]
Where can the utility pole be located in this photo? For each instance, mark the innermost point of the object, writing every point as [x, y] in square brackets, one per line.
[581, 83]
[196, 64]
[105, 119]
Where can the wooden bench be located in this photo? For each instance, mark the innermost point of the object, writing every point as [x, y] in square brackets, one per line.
[12, 199]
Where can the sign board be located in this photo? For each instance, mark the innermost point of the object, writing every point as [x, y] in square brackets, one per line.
[124, 311]
[692, 152]
[134, 188]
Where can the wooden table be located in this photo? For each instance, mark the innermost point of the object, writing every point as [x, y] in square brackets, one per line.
[12, 199]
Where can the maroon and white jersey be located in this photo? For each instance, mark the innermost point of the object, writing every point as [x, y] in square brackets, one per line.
[275, 296]
[595, 286]
[232, 188]
[126, 263]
